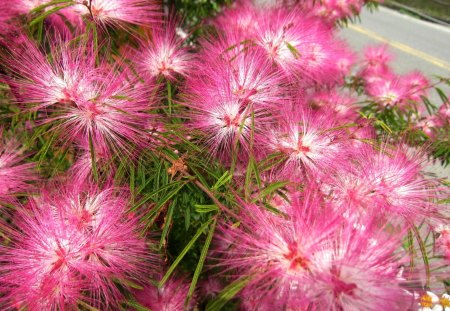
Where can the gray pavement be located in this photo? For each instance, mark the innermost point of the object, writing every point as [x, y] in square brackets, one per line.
[416, 45]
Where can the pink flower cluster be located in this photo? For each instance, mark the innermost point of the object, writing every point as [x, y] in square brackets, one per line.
[267, 95]
[70, 246]
[103, 12]
[387, 88]
[313, 258]
[335, 10]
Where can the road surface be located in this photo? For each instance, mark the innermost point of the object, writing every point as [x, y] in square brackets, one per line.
[416, 44]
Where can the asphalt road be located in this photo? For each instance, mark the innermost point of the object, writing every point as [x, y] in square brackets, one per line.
[416, 44]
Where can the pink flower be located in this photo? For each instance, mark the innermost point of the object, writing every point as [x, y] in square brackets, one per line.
[240, 20]
[163, 54]
[120, 12]
[443, 241]
[375, 66]
[333, 10]
[301, 46]
[387, 185]
[311, 143]
[15, 175]
[71, 245]
[359, 269]
[416, 85]
[342, 106]
[388, 93]
[230, 96]
[170, 297]
[84, 102]
[310, 257]
[11, 10]
[40, 82]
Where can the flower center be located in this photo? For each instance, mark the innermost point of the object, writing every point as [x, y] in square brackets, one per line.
[298, 261]
[426, 301]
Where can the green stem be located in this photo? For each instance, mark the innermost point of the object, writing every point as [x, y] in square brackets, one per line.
[169, 97]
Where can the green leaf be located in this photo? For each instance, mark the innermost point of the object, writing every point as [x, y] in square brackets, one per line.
[293, 50]
[167, 222]
[86, 306]
[44, 15]
[224, 179]
[45, 5]
[148, 196]
[206, 208]
[424, 254]
[164, 200]
[201, 261]
[93, 161]
[184, 252]
[271, 188]
[227, 294]
[137, 306]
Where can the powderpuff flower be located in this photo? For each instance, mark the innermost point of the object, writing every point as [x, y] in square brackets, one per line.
[376, 64]
[39, 81]
[112, 120]
[230, 97]
[359, 270]
[71, 245]
[416, 85]
[163, 54]
[274, 251]
[388, 93]
[170, 297]
[308, 258]
[313, 145]
[85, 103]
[443, 240]
[120, 12]
[240, 20]
[388, 184]
[341, 105]
[58, 20]
[237, 67]
[334, 10]
[301, 46]
[429, 125]
[444, 112]
[224, 123]
[345, 60]
[82, 168]
[14, 174]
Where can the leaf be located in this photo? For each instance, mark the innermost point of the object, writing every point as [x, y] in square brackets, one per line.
[225, 178]
[424, 254]
[271, 188]
[85, 305]
[164, 200]
[293, 50]
[93, 161]
[137, 306]
[227, 294]
[44, 15]
[167, 223]
[184, 252]
[153, 193]
[47, 4]
[201, 261]
[206, 208]
[442, 95]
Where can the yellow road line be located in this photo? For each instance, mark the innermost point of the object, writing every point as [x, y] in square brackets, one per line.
[402, 47]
